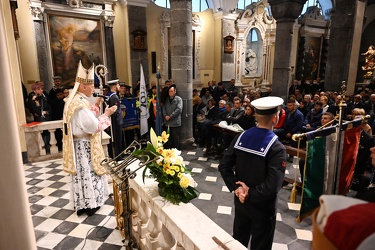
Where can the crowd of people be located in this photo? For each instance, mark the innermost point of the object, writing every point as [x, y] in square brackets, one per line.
[41, 106]
[309, 107]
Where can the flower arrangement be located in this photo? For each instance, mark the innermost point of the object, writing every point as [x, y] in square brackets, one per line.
[174, 180]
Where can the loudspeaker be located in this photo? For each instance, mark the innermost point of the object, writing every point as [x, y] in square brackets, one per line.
[153, 62]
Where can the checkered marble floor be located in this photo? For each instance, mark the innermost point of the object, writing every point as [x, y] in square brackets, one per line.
[58, 227]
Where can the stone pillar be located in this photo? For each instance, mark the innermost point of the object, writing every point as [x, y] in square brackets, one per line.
[228, 59]
[109, 18]
[340, 44]
[285, 13]
[45, 75]
[137, 21]
[181, 61]
[16, 230]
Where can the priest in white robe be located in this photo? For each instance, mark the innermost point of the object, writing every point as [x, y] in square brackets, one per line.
[82, 149]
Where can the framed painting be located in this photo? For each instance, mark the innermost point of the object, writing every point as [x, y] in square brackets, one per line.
[72, 40]
[312, 57]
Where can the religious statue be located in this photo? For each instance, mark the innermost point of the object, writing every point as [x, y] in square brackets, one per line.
[370, 58]
[251, 62]
[369, 63]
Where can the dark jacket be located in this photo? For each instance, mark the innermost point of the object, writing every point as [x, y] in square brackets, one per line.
[116, 118]
[293, 123]
[37, 106]
[235, 115]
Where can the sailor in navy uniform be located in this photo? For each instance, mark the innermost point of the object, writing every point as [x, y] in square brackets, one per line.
[253, 166]
[116, 120]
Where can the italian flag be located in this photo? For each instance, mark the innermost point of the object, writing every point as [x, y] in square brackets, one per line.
[323, 153]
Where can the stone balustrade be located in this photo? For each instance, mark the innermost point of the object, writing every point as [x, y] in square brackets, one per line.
[157, 224]
[35, 145]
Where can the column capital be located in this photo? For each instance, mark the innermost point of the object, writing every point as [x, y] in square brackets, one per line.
[36, 10]
[140, 3]
[286, 10]
[108, 15]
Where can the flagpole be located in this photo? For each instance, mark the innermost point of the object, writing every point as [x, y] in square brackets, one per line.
[339, 145]
[158, 111]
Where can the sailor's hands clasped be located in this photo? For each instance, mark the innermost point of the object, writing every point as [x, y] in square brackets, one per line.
[110, 110]
[242, 192]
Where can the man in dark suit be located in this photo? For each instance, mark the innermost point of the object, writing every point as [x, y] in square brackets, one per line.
[356, 103]
[295, 85]
[236, 112]
[293, 122]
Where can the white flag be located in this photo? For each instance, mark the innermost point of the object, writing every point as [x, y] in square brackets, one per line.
[143, 104]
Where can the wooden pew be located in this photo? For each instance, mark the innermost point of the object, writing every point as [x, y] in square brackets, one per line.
[301, 155]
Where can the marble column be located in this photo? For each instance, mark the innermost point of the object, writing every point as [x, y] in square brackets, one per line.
[16, 230]
[182, 63]
[45, 75]
[285, 13]
[340, 44]
[109, 18]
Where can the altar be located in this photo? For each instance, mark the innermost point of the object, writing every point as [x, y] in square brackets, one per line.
[158, 224]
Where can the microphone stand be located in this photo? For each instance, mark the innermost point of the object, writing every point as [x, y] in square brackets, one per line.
[100, 72]
[121, 174]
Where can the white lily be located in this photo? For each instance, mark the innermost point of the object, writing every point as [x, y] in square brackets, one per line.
[192, 182]
[176, 151]
[160, 160]
[153, 138]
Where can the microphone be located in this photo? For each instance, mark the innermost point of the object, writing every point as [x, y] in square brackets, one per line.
[99, 95]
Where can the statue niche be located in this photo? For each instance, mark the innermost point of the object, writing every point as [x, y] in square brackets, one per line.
[253, 51]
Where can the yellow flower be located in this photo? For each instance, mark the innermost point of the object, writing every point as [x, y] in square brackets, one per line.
[184, 182]
[164, 137]
[166, 167]
[160, 150]
[179, 175]
[168, 154]
[182, 169]
[171, 172]
[175, 168]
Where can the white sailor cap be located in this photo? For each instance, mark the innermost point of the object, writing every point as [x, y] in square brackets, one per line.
[112, 82]
[267, 105]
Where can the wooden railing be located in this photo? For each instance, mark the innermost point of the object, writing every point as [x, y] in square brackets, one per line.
[158, 224]
[35, 145]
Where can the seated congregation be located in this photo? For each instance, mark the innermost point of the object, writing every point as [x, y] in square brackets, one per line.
[306, 110]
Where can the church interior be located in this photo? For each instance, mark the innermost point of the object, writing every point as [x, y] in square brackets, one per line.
[261, 45]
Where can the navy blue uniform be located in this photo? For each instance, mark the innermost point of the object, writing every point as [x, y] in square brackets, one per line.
[258, 159]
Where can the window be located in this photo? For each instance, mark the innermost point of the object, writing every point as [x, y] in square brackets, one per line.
[243, 3]
[198, 5]
[162, 3]
[310, 3]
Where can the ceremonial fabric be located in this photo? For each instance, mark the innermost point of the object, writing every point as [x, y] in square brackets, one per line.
[320, 162]
[144, 115]
[79, 102]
